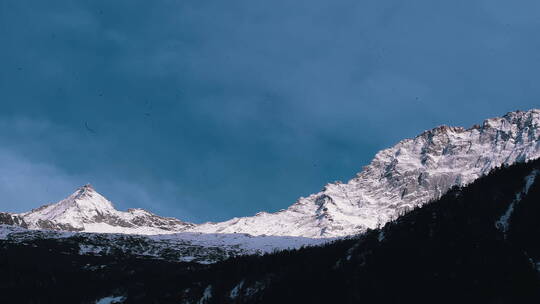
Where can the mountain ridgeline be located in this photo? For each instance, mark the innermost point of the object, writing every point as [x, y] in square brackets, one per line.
[87, 210]
[407, 175]
[448, 216]
[476, 244]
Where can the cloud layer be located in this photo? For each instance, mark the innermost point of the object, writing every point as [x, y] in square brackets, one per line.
[209, 109]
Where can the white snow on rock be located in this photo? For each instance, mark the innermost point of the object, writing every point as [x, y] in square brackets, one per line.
[409, 174]
[6, 230]
[201, 248]
[236, 290]
[88, 211]
[412, 173]
[111, 300]
[503, 223]
[207, 295]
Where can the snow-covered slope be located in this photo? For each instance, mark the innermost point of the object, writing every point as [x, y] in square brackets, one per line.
[88, 211]
[185, 247]
[411, 173]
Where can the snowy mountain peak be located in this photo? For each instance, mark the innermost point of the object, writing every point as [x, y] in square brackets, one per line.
[86, 190]
[87, 186]
[87, 198]
[409, 174]
[85, 205]
[442, 129]
[87, 210]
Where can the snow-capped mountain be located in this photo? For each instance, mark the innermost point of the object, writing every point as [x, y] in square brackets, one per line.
[413, 172]
[473, 245]
[88, 211]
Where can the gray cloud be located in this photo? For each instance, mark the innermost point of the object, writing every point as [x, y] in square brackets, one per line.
[216, 109]
[25, 184]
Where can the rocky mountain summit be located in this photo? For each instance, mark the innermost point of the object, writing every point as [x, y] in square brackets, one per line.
[12, 220]
[88, 211]
[409, 174]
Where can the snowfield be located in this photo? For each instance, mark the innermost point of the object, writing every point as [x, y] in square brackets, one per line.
[202, 248]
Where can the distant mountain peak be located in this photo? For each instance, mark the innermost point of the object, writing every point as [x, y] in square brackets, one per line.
[87, 210]
[86, 188]
[85, 192]
[440, 130]
[87, 197]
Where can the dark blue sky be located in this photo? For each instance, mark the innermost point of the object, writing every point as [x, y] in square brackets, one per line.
[205, 110]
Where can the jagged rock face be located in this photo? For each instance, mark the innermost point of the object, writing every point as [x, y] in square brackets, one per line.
[413, 172]
[86, 210]
[12, 219]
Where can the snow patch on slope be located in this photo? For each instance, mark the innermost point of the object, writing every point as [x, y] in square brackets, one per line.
[503, 223]
[207, 295]
[111, 300]
[182, 247]
[236, 290]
